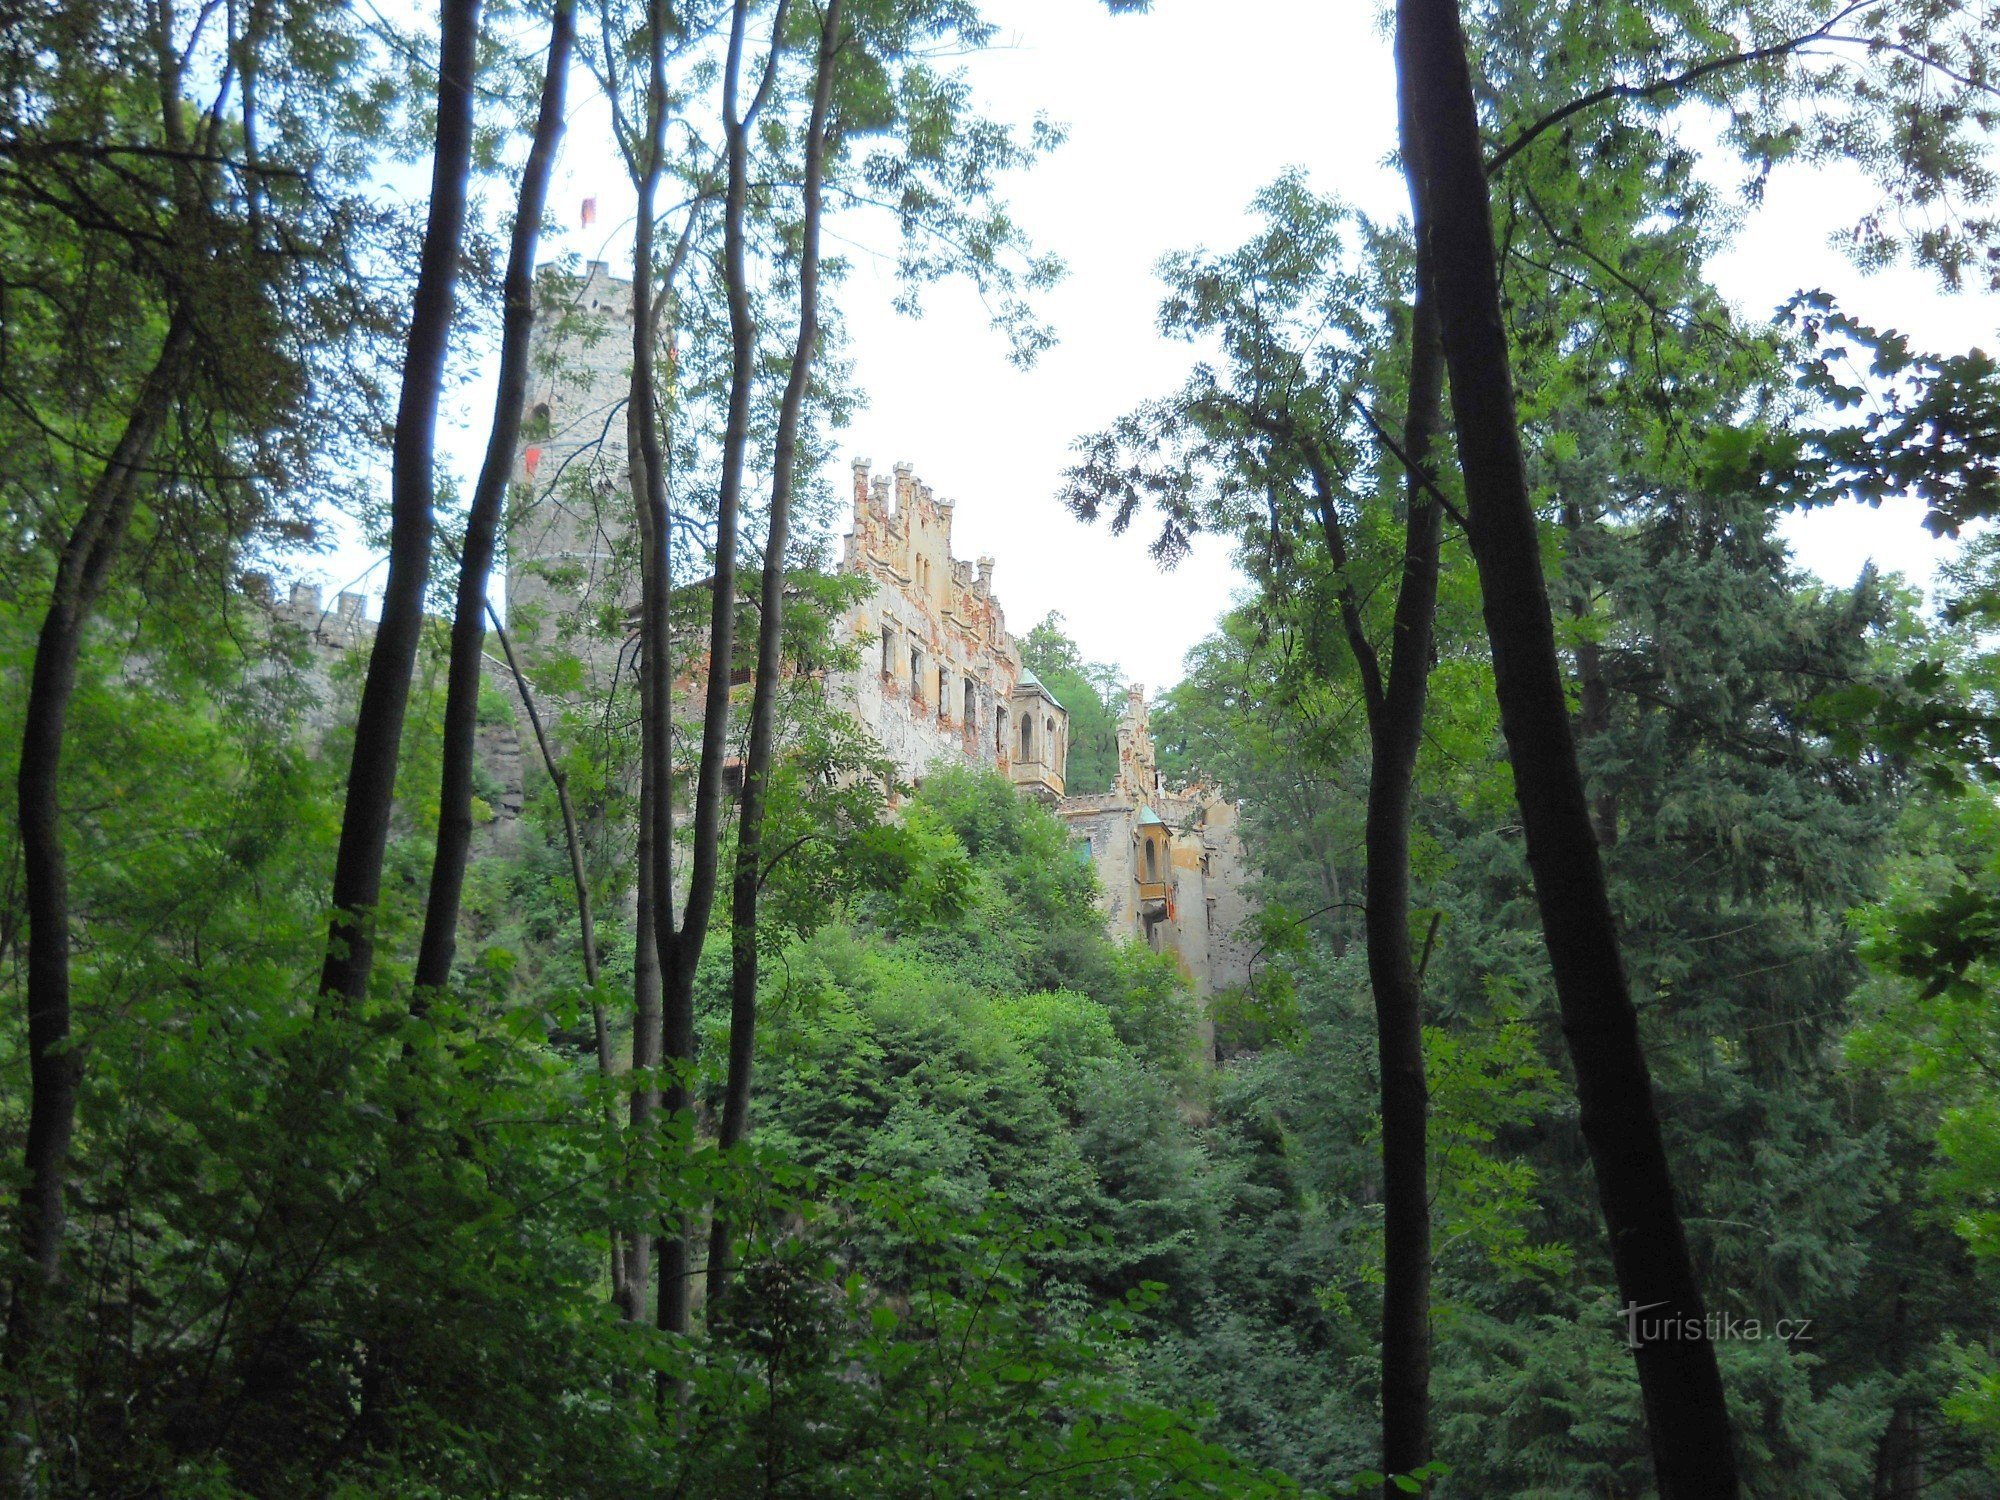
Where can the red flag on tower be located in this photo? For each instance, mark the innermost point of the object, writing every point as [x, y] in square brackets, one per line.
[589, 212]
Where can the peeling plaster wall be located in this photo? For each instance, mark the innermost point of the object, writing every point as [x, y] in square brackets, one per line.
[940, 680]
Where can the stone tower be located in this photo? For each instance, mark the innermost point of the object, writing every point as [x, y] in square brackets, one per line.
[568, 568]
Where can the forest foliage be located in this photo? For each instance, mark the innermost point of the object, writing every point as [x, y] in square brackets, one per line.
[804, 1133]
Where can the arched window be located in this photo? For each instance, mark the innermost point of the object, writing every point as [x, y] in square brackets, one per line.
[1152, 863]
[1027, 738]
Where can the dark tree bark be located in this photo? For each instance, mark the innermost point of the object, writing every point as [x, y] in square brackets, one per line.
[1686, 1414]
[1899, 1452]
[482, 525]
[378, 729]
[750, 867]
[1593, 690]
[55, 1071]
[646, 990]
[1394, 702]
[1899, 1456]
[1396, 726]
[680, 944]
[646, 464]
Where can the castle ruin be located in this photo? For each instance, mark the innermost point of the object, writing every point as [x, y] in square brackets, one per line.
[938, 679]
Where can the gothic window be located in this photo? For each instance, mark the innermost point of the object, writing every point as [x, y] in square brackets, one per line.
[1027, 738]
[1152, 863]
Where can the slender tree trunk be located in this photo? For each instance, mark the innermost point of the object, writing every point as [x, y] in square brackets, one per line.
[1396, 731]
[586, 920]
[646, 983]
[646, 462]
[1899, 1456]
[55, 1070]
[1686, 1413]
[482, 525]
[1593, 693]
[681, 944]
[1899, 1453]
[378, 729]
[749, 875]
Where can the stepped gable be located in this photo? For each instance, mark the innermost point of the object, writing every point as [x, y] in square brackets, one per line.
[941, 680]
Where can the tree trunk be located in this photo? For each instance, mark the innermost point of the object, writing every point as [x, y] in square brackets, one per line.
[646, 984]
[749, 876]
[1396, 732]
[1686, 1413]
[681, 944]
[482, 525]
[55, 1071]
[378, 728]
[1593, 693]
[645, 463]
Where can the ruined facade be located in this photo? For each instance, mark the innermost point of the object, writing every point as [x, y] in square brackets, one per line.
[1170, 860]
[938, 680]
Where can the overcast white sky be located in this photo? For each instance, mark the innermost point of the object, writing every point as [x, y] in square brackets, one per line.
[1175, 119]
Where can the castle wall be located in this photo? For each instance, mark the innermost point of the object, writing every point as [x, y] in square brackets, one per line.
[1107, 823]
[1227, 894]
[337, 637]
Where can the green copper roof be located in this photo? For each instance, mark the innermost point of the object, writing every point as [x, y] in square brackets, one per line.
[1147, 817]
[1029, 679]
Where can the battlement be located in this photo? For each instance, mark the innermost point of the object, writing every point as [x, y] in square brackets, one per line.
[344, 623]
